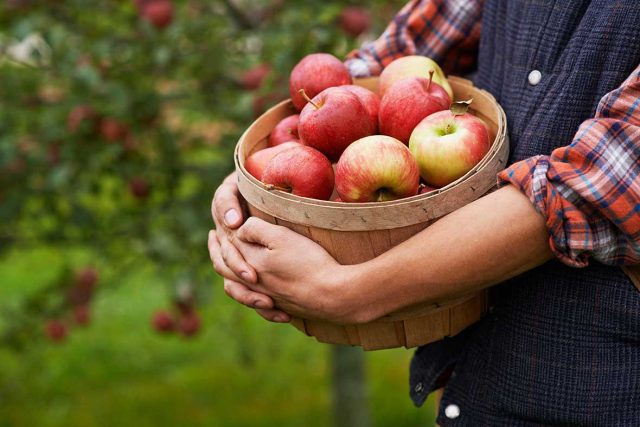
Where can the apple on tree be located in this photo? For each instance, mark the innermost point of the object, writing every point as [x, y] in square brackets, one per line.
[409, 101]
[302, 171]
[355, 20]
[285, 131]
[333, 119]
[377, 168]
[257, 162]
[448, 145]
[314, 73]
[412, 66]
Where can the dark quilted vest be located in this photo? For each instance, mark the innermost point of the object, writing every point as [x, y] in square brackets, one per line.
[560, 346]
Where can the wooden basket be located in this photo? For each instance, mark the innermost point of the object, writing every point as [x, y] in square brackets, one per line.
[354, 233]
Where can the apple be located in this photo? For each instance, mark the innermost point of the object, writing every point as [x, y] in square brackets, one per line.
[55, 330]
[82, 315]
[314, 73]
[302, 171]
[377, 168]
[81, 114]
[285, 131]
[370, 100]
[333, 119]
[162, 321]
[87, 278]
[139, 187]
[412, 66]
[189, 324]
[355, 20]
[424, 189]
[407, 102]
[158, 12]
[447, 146]
[257, 162]
[252, 79]
[112, 130]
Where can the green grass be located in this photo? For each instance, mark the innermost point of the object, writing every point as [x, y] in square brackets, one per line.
[240, 371]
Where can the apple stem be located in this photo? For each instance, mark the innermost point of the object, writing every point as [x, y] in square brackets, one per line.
[430, 79]
[304, 95]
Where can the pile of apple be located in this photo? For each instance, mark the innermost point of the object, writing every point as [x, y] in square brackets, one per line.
[412, 140]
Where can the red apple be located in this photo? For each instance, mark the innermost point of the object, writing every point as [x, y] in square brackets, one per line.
[370, 100]
[424, 189]
[407, 102]
[314, 73]
[112, 130]
[252, 79]
[189, 324]
[162, 321]
[158, 12]
[334, 119]
[285, 131]
[301, 170]
[377, 168]
[447, 146]
[139, 187]
[412, 66]
[55, 330]
[82, 315]
[257, 162]
[355, 20]
[86, 278]
[81, 114]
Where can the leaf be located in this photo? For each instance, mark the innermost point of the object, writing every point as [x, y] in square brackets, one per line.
[460, 107]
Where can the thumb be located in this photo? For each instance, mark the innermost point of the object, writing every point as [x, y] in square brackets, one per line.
[259, 232]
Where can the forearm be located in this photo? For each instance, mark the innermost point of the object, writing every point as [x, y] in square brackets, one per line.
[490, 240]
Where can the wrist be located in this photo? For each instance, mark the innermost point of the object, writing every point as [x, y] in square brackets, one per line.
[349, 298]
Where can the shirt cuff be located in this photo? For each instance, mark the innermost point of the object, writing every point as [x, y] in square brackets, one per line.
[530, 177]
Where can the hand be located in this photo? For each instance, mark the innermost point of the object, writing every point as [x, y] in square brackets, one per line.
[227, 261]
[297, 273]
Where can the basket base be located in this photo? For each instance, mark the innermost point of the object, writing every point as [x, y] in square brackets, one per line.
[418, 326]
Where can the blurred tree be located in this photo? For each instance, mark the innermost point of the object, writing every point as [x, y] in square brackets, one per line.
[118, 120]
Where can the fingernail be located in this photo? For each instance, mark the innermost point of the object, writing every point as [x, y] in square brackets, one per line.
[259, 304]
[279, 319]
[246, 276]
[231, 217]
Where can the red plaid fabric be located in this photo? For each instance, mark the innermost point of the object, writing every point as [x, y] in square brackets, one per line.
[588, 191]
[447, 31]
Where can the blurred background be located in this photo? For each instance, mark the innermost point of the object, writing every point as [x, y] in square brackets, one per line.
[117, 123]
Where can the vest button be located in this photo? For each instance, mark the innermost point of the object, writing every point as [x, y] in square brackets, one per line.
[452, 411]
[534, 77]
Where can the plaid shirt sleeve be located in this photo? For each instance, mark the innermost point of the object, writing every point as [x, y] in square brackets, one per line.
[589, 191]
[447, 31]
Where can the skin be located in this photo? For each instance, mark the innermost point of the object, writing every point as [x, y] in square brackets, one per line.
[487, 241]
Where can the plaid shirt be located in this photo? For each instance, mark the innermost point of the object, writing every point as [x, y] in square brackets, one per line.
[589, 190]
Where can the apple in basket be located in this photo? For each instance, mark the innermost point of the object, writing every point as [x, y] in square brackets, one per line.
[376, 168]
[333, 119]
[409, 101]
[257, 162]
[447, 145]
[286, 130]
[314, 73]
[302, 171]
[412, 66]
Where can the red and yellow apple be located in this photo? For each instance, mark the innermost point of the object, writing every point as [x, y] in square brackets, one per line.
[285, 131]
[412, 66]
[447, 146]
[370, 100]
[314, 73]
[409, 101]
[333, 119]
[302, 171]
[377, 168]
[257, 162]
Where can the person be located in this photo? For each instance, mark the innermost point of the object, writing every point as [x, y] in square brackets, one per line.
[560, 344]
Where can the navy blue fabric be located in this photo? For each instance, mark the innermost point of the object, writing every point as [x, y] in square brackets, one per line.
[560, 346]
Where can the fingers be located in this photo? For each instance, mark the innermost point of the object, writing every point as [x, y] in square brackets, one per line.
[246, 296]
[259, 232]
[227, 260]
[225, 207]
[274, 315]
